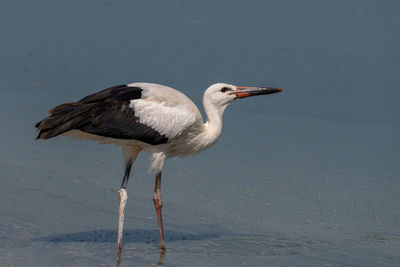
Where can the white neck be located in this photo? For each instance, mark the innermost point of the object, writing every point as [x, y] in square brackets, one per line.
[213, 126]
[205, 135]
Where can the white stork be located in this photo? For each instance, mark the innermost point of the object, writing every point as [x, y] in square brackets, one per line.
[144, 116]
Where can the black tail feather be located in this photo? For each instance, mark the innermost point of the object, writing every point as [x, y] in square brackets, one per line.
[63, 118]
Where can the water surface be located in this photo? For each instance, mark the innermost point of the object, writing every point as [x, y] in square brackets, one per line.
[306, 177]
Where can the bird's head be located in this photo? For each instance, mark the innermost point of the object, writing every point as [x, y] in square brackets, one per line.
[221, 94]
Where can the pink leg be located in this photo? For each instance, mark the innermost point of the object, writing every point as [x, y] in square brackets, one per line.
[122, 198]
[158, 205]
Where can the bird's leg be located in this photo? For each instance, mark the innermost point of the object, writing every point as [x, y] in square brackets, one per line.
[126, 175]
[158, 205]
[122, 199]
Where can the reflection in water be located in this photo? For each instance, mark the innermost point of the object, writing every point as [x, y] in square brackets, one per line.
[130, 236]
[118, 257]
[160, 259]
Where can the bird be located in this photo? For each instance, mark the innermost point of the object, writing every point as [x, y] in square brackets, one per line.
[146, 117]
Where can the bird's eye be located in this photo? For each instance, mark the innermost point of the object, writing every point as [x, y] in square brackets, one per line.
[225, 89]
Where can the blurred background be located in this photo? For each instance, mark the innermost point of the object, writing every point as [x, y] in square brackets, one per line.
[306, 177]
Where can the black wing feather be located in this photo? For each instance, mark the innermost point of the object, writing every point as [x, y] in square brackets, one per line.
[105, 113]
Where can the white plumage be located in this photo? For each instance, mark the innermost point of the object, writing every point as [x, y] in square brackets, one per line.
[164, 109]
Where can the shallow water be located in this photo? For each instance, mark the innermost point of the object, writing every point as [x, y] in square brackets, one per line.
[306, 177]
